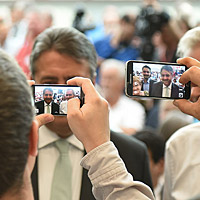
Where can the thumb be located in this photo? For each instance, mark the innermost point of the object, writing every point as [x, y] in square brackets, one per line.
[44, 119]
[73, 106]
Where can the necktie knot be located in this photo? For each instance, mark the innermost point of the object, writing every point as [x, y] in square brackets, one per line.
[62, 146]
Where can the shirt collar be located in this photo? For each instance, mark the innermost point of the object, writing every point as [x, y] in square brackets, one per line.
[46, 137]
[147, 81]
[45, 104]
[170, 86]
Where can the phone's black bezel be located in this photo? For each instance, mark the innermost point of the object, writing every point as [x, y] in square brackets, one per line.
[129, 79]
[58, 85]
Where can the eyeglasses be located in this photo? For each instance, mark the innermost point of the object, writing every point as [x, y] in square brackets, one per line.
[167, 75]
[69, 95]
[48, 95]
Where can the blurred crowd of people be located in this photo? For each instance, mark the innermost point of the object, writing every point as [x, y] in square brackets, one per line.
[152, 34]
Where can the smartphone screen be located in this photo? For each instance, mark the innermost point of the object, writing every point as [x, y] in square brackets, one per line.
[53, 98]
[155, 80]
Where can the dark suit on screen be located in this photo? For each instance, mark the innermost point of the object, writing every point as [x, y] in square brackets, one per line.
[40, 106]
[157, 89]
[134, 155]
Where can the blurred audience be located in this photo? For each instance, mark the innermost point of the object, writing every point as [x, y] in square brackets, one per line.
[126, 115]
[156, 147]
[37, 22]
[107, 26]
[82, 21]
[149, 21]
[17, 33]
[4, 28]
[120, 44]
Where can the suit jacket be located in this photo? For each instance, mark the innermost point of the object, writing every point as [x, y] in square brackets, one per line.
[132, 151]
[40, 106]
[157, 88]
[151, 82]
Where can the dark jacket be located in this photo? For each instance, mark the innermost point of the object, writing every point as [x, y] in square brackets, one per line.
[40, 106]
[157, 88]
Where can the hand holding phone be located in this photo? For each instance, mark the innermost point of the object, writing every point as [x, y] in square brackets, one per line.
[191, 107]
[89, 123]
[155, 80]
[53, 99]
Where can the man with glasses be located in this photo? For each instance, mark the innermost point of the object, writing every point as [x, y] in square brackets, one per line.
[63, 106]
[47, 105]
[165, 88]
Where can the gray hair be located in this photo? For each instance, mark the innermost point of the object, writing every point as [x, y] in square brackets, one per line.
[49, 89]
[114, 64]
[189, 40]
[16, 116]
[67, 41]
[167, 68]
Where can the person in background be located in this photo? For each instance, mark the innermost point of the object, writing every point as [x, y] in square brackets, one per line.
[119, 45]
[147, 81]
[4, 28]
[36, 25]
[63, 105]
[137, 86]
[17, 33]
[156, 149]
[182, 149]
[58, 55]
[126, 115]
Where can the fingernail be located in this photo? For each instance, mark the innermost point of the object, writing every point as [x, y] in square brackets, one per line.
[50, 118]
[175, 103]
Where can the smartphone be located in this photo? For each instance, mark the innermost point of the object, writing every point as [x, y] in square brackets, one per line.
[53, 98]
[155, 80]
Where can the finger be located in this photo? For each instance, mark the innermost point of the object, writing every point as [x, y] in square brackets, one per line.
[73, 106]
[189, 62]
[44, 119]
[192, 74]
[195, 94]
[31, 82]
[87, 87]
[185, 106]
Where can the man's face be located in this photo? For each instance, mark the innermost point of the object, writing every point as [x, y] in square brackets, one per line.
[111, 83]
[48, 96]
[69, 94]
[146, 73]
[166, 77]
[55, 68]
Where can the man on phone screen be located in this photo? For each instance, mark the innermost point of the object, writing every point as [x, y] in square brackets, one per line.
[63, 105]
[165, 88]
[47, 105]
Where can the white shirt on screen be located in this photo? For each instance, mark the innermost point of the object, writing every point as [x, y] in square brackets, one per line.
[169, 90]
[46, 107]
